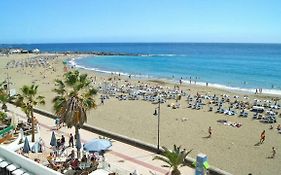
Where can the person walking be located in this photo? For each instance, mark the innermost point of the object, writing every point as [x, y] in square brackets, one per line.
[262, 137]
[210, 131]
[57, 122]
[71, 141]
[273, 153]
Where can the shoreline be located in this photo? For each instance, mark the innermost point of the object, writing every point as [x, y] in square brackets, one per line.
[234, 89]
[182, 126]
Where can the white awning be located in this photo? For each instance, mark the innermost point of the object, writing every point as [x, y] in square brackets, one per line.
[19, 172]
[12, 167]
[26, 174]
[3, 164]
[99, 172]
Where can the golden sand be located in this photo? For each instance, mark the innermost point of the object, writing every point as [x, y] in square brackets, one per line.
[231, 149]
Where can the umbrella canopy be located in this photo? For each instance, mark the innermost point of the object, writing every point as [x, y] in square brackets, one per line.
[78, 142]
[136, 172]
[21, 134]
[97, 145]
[53, 140]
[35, 148]
[26, 146]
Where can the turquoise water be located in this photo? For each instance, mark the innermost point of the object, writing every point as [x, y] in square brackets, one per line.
[237, 68]
[232, 66]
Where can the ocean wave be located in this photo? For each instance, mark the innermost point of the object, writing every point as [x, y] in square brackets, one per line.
[163, 55]
[73, 63]
[247, 90]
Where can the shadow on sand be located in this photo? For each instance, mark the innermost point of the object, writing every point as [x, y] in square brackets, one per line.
[206, 137]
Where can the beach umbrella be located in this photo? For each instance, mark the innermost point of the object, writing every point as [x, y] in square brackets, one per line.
[78, 142]
[136, 172]
[36, 147]
[97, 145]
[21, 134]
[26, 146]
[53, 140]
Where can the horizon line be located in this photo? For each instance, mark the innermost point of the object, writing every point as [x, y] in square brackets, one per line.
[139, 42]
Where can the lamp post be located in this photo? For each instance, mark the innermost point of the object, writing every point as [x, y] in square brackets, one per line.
[157, 112]
[8, 78]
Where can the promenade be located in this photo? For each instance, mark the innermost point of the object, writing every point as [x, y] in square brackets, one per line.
[121, 155]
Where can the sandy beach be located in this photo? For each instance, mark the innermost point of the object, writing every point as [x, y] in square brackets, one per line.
[230, 148]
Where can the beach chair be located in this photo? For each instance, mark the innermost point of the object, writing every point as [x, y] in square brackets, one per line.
[218, 110]
[245, 114]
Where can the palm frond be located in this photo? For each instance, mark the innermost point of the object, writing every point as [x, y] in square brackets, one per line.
[75, 98]
[174, 158]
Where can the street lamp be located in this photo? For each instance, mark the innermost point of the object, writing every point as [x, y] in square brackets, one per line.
[157, 113]
[7, 85]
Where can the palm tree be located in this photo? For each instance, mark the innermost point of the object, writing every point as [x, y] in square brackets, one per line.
[27, 100]
[175, 158]
[4, 96]
[74, 98]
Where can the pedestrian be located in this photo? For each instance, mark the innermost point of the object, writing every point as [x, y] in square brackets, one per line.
[71, 141]
[262, 137]
[273, 152]
[62, 140]
[210, 131]
[57, 122]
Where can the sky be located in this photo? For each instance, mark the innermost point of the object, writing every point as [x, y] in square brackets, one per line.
[95, 21]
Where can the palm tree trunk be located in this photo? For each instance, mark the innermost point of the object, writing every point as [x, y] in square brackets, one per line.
[176, 171]
[76, 132]
[76, 137]
[32, 126]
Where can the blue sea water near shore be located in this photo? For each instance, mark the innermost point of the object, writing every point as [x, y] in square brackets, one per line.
[244, 67]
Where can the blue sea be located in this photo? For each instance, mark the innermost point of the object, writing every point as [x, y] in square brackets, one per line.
[244, 67]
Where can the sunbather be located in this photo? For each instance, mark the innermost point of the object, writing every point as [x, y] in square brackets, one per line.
[53, 165]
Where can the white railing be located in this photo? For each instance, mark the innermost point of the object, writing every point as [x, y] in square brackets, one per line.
[114, 168]
[25, 163]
